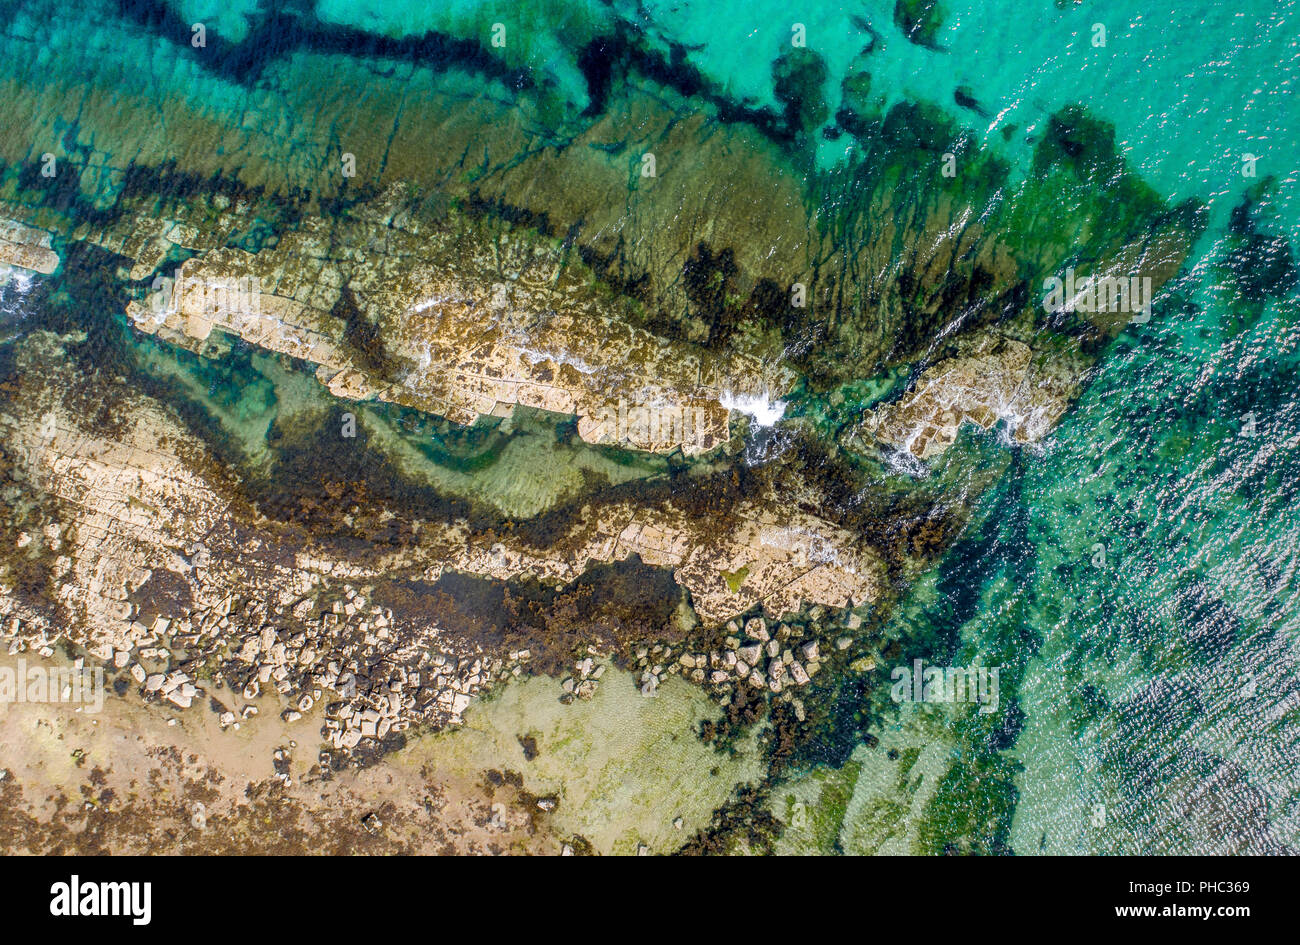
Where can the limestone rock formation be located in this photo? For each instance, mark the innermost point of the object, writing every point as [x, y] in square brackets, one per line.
[991, 378]
[159, 566]
[26, 247]
[452, 320]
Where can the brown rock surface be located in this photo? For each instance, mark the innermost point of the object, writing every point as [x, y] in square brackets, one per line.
[447, 321]
[154, 555]
[992, 378]
[26, 247]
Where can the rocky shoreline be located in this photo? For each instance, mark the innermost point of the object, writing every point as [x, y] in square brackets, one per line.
[513, 254]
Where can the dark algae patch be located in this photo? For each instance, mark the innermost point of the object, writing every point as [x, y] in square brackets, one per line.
[920, 20]
[609, 605]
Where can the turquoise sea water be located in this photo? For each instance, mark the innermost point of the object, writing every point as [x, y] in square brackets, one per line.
[1160, 681]
[1189, 86]
[1135, 574]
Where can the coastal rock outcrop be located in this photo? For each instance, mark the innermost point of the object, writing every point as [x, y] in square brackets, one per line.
[992, 378]
[26, 247]
[455, 319]
[156, 565]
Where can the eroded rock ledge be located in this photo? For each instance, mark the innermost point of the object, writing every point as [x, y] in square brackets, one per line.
[26, 247]
[160, 569]
[455, 319]
[992, 378]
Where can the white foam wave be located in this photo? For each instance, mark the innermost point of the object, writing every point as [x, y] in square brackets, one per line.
[765, 411]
